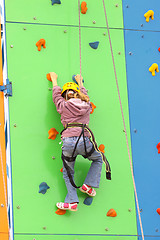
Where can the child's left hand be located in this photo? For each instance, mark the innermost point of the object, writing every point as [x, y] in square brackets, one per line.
[53, 76]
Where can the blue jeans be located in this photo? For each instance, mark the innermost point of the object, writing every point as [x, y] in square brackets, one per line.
[94, 173]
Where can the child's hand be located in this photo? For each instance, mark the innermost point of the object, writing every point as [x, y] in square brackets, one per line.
[79, 79]
[53, 76]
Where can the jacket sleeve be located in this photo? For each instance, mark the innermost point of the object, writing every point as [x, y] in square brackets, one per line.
[83, 90]
[58, 99]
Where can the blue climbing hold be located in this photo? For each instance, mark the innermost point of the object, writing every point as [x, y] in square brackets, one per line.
[94, 45]
[56, 2]
[73, 78]
[88, 201]
[43, 187]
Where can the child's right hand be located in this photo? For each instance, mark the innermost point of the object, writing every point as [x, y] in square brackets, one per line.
[79, 79]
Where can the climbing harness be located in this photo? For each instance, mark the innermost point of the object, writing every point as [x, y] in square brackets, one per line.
[66, 159]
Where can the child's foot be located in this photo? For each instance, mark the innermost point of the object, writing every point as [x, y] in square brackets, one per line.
[67, 206]
[87, 189]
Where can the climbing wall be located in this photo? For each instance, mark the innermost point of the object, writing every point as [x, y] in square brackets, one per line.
[142, 43]
[35, 158]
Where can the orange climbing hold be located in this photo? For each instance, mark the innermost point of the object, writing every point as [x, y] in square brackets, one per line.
[52, 133]
[60, 212]
[48, 77]
[61, 170]
[111, 213]
[101, 148]
[158, 211]
[40, 43]
[84, 7]
[158, 147]
[93, 107]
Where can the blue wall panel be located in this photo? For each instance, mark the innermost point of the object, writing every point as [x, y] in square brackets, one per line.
[134, 11]
[144, 107]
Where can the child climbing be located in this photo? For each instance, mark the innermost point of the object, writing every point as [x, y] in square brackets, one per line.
[72, 102]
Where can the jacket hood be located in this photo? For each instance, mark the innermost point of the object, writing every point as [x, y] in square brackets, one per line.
[78, 107]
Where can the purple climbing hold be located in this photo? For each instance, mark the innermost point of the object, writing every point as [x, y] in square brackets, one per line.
[88, 201]
[94, 45]
[43, 187]
[55, 2]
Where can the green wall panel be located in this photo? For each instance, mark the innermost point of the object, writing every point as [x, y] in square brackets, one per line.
[34, 113]
[74, 237]
[66, 13]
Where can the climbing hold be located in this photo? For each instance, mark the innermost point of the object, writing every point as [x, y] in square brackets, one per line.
[149, 14]
[104, 33]
[44, 228]
[93, 107]
[135, 130]
[11, 46]
[34, 18]
[73, 78]
[117, 5]
[52, 133]
[61, 170]
[40, 43]
[101, 148]
[158, 211]
[50, 89]
[84, 7]
[111, 213]
[24, 28]
[60, 212]
[129, 210]
[65, 31]
[107, 229]
[158, 147]
[159, 49]
[18, 207]
[94, 45]
[141, 25]
[43, 187]
[119, 53]
[48, 77]
[55, 2]
[88, 201]
[94, 22]
[2, 205]
[53, 157]
[154, 68]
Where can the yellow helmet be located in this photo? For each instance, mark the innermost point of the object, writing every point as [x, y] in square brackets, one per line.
[70, 85]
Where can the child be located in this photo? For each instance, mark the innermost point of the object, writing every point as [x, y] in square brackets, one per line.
[74, 106]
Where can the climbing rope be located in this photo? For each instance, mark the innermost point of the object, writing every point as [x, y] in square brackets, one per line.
[5, 194]
[80, 38]
[135, 191]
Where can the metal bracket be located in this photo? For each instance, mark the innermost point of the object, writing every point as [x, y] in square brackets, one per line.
[7, 89]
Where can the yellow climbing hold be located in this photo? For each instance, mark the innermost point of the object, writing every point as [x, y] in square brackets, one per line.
[154, 68]
[149, 14]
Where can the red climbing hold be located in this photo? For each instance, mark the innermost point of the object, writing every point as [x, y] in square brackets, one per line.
[158, 147]
[60, 212]
[101, 148]
[84, 7]
[158, 211]
[93, 107]
[48, 77]
[40, 43]
[61, 170]
[159, 49]
[52, 133]
[111, 213]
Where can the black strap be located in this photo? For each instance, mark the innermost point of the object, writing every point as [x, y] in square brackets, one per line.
[68, 169]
